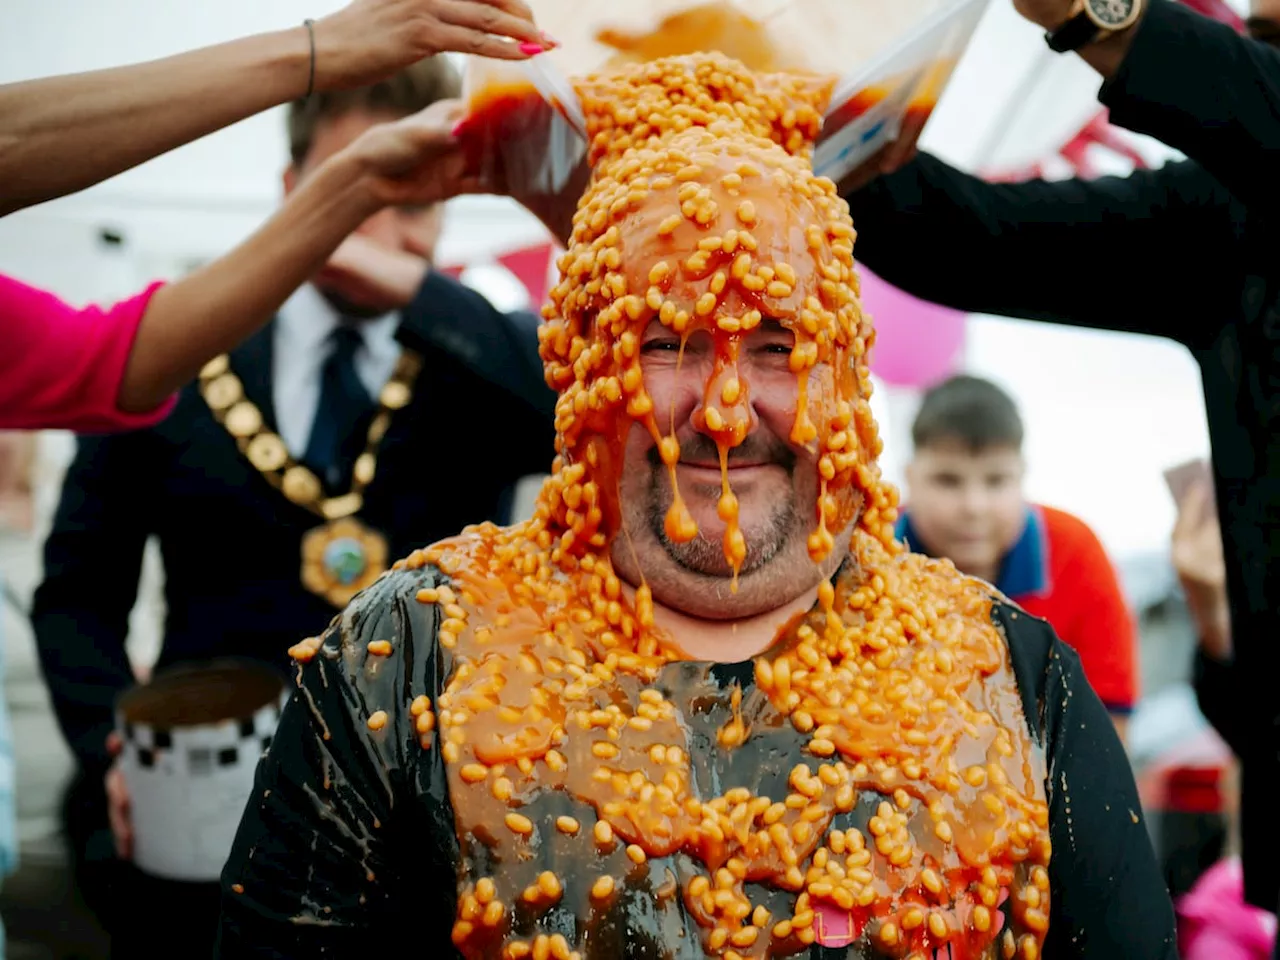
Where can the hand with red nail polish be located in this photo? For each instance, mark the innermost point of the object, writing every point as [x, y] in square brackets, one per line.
[369, 40]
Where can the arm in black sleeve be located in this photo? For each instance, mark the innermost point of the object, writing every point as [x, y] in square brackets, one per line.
[500, 347]
[338, 851]
[1199, 87]
[1108, 898]
[92, 562]
[1217, 686]
[1149, 253]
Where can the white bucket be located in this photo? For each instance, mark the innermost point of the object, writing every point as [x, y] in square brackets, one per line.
[192, 740]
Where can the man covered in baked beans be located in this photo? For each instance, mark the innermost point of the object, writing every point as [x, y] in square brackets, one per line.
[702, 703]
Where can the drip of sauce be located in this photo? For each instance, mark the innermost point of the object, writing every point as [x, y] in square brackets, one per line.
[878, 774]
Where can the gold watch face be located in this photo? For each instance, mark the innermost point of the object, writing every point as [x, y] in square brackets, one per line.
[1113, 14]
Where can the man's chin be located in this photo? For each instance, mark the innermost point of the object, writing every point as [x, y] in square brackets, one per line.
[757, 504]
[705, 557]
[353, 309]
[702, 566]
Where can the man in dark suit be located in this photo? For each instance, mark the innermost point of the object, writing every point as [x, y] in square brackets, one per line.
[340, 438]
[1186, 252]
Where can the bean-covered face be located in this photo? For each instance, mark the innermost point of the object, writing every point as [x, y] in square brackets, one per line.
[712, 354]
[763, 485]
[722, 488]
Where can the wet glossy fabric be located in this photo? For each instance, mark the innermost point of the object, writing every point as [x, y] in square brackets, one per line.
[348, 846]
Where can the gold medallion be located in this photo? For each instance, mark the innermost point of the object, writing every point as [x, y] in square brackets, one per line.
[341, 558]
[300, 485]
[223, 391]
[267, 452]
[244, 420]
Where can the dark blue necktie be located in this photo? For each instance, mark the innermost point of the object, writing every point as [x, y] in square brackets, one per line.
[344, 405]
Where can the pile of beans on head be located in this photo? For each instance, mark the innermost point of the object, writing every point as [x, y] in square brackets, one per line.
[704, 212]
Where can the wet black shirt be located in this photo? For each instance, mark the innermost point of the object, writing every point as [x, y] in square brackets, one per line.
[348, 846]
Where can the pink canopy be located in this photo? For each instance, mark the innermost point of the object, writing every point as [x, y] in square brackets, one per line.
[917, 343]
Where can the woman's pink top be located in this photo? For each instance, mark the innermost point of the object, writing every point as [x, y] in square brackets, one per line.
[60, 367]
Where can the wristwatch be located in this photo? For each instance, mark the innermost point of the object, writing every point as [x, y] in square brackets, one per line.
[1094, 20]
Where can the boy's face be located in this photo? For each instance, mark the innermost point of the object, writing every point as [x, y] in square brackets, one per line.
[967, 505]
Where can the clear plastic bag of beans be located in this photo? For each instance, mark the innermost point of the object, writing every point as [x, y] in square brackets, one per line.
[887, 60]
[525, 136]
[894, 94]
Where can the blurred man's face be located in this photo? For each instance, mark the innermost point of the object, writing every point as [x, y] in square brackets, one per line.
[967, 505]
[414, 230]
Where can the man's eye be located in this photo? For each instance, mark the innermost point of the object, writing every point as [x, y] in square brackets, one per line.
[774, 349]
[661, 346]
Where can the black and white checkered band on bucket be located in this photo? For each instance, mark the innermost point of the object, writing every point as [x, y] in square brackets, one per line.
[189, 781]
[198, 751]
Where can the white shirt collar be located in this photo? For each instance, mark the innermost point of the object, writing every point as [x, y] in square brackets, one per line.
[307, 319]
[303, 327]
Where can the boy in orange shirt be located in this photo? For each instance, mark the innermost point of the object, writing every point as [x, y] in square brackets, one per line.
[966, 503]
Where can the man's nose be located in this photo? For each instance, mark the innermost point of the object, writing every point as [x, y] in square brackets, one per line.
[973, 499]
[724, 410]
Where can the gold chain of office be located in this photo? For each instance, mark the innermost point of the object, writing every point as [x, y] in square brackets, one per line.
[342, 556]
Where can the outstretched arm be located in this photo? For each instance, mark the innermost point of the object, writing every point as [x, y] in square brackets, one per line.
[62, 134]
[1194, 84]
[1046, 250]
[210, 311]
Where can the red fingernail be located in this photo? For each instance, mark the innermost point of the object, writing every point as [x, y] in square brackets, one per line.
[531, 49]
[457, 127]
